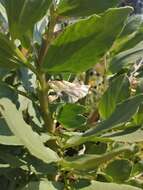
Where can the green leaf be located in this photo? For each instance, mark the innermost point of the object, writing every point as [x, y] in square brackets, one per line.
[13, 161]
[119, 170]
[43, 185]
[137, 168]
[129, 135]
[119, 89]
[91, 161]
[84, 7]
[132, 25]
[23, 14]
[95, 148]
[4, 169]
[6, 136]
[130, 36]
[24, 132]
[8, 92]
[136, 182]
[80, 139]
[103, 177]
[123, 113]
[10, 140]
[3, 12]
[138, 117]
[95, 185]
[126, 58]
[139, 88]
[8, 57]
[81, 45]
[70, 116]
[3, 72]
[38, 167]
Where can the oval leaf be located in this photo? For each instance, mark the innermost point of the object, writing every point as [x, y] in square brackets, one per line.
[84, 7]
[24, 132]
[107, 186]
[84, 43]
[118, 90]
[23, 14]
[123, 113]
[71, 116]
[126, 58]
[119, 170]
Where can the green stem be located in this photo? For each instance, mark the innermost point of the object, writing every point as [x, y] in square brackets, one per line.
[48, 36]
[43, 86]
[44, 105]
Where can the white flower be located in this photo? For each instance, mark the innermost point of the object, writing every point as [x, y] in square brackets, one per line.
[75, 91]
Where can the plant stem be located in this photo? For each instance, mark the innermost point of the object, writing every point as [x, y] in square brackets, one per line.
[48, 36]
[44, 104]
[43, 86]
[42, 90]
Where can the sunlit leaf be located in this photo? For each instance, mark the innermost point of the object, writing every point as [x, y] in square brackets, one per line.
[81, 45]
[84, 7]
[130, 36]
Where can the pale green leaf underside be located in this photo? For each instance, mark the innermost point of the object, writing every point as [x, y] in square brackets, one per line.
[10, 140]
[24, 132]
[107, 186]
[126, 136]
[43, 185]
